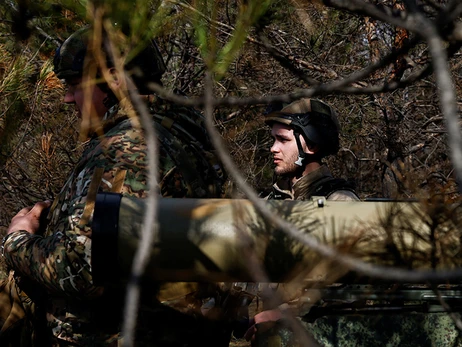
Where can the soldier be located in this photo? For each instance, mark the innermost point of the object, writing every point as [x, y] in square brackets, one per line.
[304, 133]
[114, 160]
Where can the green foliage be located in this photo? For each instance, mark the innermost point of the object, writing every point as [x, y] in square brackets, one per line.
[218, 58]
[249, 14]
[201, 27]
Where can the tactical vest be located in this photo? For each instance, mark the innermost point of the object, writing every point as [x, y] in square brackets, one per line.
[325, 186]
[182, 134]
[329, 185]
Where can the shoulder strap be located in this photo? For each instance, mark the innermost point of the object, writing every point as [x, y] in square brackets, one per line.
[91, 195]
[182, 134]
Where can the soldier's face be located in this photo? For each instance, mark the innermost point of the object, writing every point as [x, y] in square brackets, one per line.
[87, 99]
[284, 149]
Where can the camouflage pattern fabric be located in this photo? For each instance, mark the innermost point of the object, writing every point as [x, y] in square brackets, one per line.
[404, 330]
[15, 306]
[79, 313]
[435, 329]
[69, 59]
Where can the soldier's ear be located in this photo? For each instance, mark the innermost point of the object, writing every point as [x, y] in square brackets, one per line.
[312, 149]
[309, 147]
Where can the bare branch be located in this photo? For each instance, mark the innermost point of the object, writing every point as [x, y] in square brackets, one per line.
[446, 92]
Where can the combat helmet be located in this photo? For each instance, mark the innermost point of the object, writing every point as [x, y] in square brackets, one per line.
[313, 119]
[70, 57]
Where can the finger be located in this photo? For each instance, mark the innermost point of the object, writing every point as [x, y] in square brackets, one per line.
[36, 211]
[268, 316]
[23, 212]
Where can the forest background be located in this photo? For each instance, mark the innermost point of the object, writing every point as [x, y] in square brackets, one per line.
[391, 69]
[394, 141]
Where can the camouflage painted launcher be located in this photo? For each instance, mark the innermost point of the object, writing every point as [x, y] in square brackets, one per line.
[226, 240]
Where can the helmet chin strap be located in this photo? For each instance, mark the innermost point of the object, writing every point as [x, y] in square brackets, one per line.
[301, 153]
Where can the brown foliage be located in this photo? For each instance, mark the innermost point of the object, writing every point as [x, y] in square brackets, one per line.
[393, 144]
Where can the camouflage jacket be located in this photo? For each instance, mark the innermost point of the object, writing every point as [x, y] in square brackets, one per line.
[60, 260]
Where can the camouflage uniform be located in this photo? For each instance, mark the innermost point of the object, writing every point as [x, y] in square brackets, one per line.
[412, 329]
[77, 311]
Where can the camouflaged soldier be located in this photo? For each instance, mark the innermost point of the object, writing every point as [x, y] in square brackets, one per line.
[114, 160]
[304, 132]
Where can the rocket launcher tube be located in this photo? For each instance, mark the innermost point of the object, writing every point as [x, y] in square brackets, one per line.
[212, 239]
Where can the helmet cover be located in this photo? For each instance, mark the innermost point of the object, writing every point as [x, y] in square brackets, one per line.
[313, 119]
[69, 60]
[70, 56]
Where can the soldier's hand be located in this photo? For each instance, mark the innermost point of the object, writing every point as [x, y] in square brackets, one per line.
[28, 219]
[263, 321]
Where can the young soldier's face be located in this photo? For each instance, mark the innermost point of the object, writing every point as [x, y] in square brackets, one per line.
[87, 99]
[284, 149]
